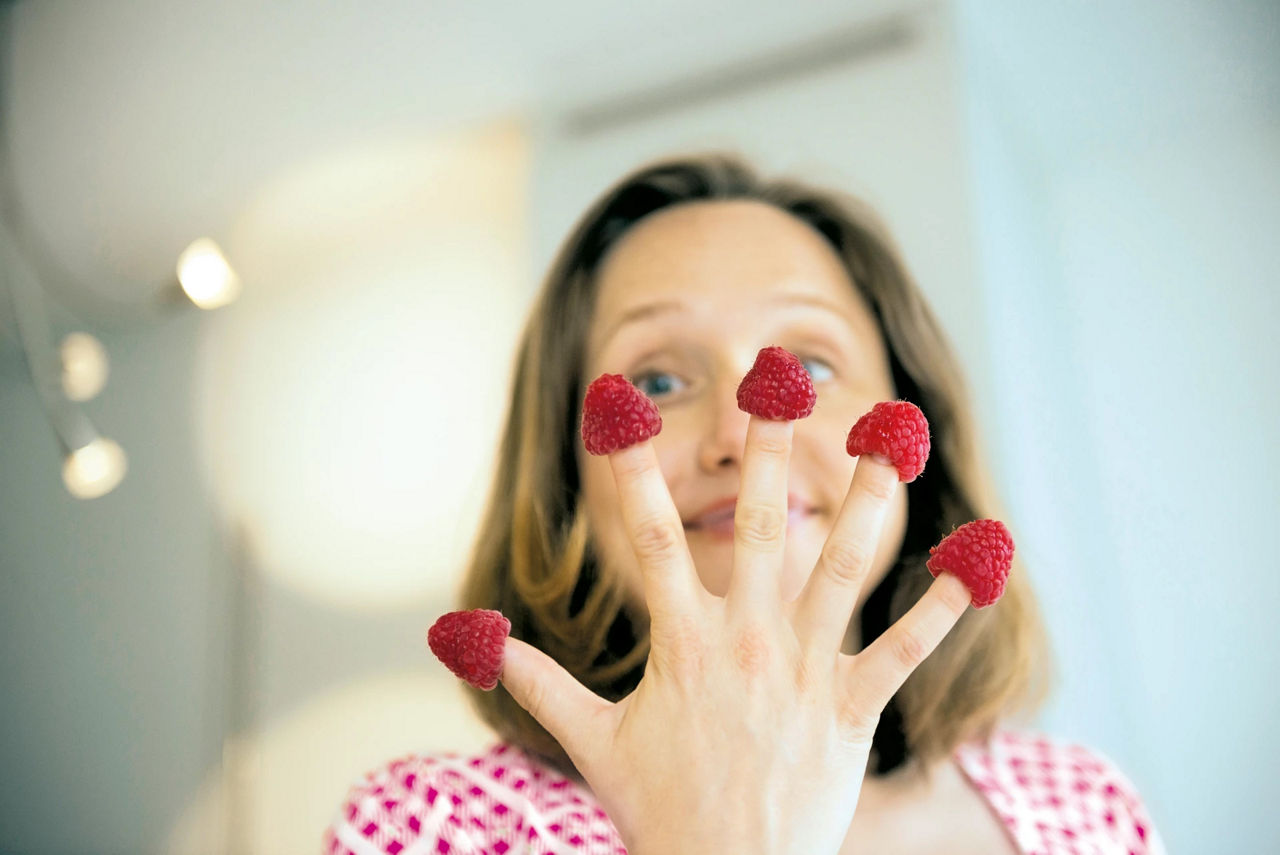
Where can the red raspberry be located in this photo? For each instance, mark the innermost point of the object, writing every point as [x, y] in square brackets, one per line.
[777, 387]
[896, 430]
[616, 415]
[470, 644]
[979, 554]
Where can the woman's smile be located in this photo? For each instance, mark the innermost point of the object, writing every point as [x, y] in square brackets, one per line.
[716, 521]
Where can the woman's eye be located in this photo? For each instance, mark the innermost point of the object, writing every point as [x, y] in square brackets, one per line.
[818, 369]
[655, 384]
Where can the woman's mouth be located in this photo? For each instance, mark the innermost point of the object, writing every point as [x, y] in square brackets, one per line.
[719, 523]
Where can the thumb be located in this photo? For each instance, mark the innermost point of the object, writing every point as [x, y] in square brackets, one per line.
[540, 684]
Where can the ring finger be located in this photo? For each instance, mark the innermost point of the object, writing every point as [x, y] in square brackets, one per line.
[827, 602]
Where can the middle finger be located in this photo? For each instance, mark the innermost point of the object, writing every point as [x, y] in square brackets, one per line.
[760, 517]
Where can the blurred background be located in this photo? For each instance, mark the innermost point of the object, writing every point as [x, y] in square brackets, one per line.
[205, 656]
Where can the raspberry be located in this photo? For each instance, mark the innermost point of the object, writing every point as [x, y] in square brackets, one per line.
[616, 414]
[777, 387]
[896, 430]
[470, 644]
[979, 554]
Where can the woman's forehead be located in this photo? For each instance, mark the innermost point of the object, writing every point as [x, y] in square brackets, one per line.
[695, 242]
[720, 256]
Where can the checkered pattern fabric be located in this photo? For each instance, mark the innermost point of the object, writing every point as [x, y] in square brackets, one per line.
[1059, 799]
[1054, 799]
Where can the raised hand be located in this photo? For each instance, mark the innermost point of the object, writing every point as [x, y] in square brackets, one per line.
[749, 731]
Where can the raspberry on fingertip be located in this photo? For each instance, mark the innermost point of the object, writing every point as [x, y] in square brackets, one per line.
[616, 415]
[471, 644]
[777, 387]
[979, 554]
[896, 430]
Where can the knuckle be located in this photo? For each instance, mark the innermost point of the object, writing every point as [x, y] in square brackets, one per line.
[855, 726]
[908, 649]
[679, 645]
[655, 538]
[807, 677]
[759, 525]
[846, 561]
[751, 652]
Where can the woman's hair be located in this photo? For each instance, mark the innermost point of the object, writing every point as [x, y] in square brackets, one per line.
[533, 558]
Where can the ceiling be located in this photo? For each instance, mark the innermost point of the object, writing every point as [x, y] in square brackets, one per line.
[133, 126]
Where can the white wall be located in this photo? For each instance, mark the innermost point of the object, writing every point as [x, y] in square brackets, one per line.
[1127, 176]
[111, 616]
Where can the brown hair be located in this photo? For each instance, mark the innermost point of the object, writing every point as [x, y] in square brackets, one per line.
[533, 559]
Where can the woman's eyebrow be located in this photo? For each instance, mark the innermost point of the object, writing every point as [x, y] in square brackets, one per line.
[647, 311]
[639, 313]
[814, 300]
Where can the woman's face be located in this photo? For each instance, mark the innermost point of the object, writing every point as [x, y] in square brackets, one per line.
[686, 299]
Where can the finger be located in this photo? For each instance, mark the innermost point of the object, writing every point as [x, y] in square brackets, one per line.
[879, 671]
[673, 593]
[760, 516]
[557, 701]
[826, 604]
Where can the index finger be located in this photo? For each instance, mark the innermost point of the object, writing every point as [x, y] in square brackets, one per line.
[656, 531]
[618, 420]
[829, 597]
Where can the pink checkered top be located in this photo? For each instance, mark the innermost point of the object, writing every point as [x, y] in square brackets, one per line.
[1053, 797]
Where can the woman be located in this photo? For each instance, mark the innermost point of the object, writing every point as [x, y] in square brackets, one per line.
[676, 278]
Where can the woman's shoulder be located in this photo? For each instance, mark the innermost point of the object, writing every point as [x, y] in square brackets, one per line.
[501, 799]
[1050, 790]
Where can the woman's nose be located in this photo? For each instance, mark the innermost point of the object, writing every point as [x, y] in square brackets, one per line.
[725, 434]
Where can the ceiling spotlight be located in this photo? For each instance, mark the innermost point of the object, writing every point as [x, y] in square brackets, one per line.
[91, 465]
[206, 276]
[84, 366]
[95, 469]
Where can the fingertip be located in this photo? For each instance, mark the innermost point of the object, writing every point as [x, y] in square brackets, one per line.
[877, 475]
[774, 435]
[513, 653]
[633, 460]
[517, 668]
[954, 592]
[879, 460]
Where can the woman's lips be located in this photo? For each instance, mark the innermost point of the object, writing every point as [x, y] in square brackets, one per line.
[720, 524]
